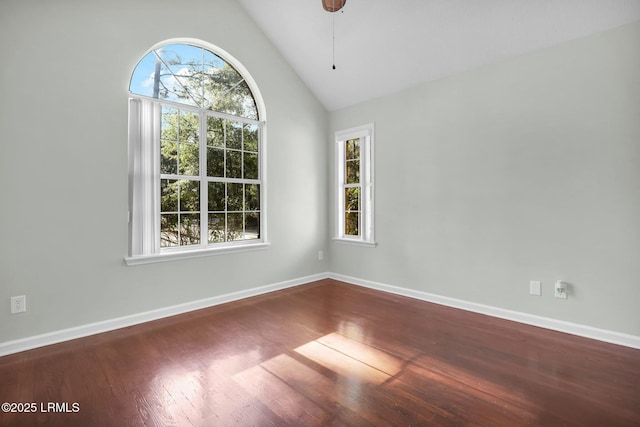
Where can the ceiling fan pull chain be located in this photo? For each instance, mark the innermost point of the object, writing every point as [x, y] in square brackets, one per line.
[334, 40]
[331, 7]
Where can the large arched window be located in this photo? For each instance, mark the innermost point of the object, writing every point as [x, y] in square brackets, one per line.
[196, 138]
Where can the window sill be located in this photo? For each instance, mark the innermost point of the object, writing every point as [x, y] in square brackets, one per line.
[187, 254]
[355, 242]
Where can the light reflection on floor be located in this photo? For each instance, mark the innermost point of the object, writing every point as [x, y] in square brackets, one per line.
[303, 385]
[297, 392]
[377, 359]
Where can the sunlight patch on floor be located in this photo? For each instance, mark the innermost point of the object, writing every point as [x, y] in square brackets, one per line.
[280, 398]
[325, 392]
[341, 363]
[366, 354]
[300, 385]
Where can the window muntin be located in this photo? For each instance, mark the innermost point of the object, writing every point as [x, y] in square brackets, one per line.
[354, 178]
[208, 144]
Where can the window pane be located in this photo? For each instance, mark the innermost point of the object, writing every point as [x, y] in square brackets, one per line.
[189, 229]
[252, 225]
[234, 135]
[234, 164]
[352, 171]
[142, 81]
[234, 197]
[225, 89]
[169, 127]
[189, 127]
[189, 196]
[215, 132]
[217, 228]
[215, 162]
[212, 62]
[189, 163]
[244, 103]
[168, 195]
[220, 81]
[250, 165]
[168, 230]
[351, 224]
[352, 199]
[252, 197]
[352, 149]
[168, 157]
[216, 196]
[234, 226]
[180, 76]
[250, 138]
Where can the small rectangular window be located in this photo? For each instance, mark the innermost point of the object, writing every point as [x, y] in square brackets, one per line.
[354, 188]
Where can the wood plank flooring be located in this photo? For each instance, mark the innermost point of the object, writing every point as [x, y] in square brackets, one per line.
[325, 354]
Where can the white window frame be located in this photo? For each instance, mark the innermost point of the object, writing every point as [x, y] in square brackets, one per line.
[144, 174]
[367, 193]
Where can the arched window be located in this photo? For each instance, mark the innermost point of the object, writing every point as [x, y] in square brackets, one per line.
[196, 138]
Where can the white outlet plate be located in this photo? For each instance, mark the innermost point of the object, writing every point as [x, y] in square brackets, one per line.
[535, 287]
[561, 290]
[18, 304]
[320, 255]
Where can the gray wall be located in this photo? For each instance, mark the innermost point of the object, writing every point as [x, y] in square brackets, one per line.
[524, 170]
[63, 162]
[527, 169]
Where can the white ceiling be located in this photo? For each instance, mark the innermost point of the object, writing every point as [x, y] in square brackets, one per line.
[383, 46]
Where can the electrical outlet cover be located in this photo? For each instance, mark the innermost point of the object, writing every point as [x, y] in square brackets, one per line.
[535, 288]
[18, 304]
[561, 290]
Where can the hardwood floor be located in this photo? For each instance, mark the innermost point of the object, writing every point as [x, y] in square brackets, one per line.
[325, 354]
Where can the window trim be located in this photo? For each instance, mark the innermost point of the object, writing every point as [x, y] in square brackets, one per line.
[367, 234]
[151, 190]
[194, 253]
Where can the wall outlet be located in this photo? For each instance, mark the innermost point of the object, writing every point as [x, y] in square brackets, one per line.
[561, 289]
[18, 304]
[535, 288]
[320, 255]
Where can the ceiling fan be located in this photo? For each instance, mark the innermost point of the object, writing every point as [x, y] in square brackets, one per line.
[333, 6]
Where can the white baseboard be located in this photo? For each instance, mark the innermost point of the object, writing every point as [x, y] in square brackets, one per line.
[55, 337]
[529, 319]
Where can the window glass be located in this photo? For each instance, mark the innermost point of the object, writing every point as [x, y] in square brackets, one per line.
[193, 76]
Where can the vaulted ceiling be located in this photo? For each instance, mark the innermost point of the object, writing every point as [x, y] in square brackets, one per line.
[383, 46]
